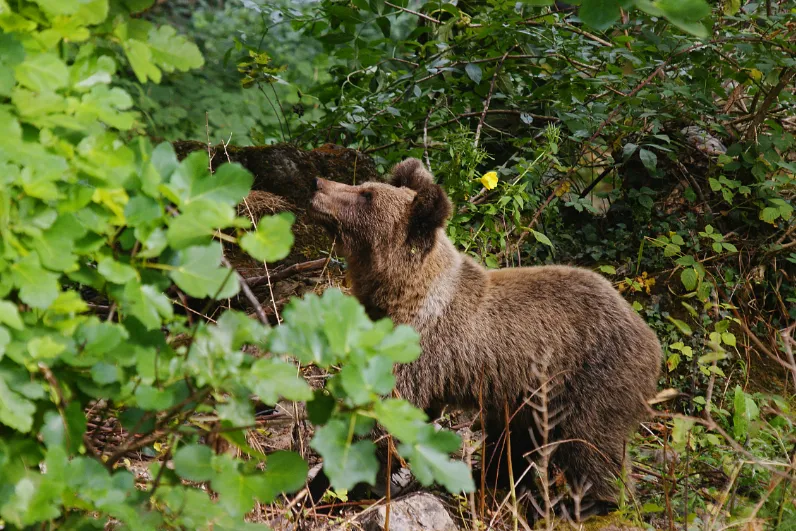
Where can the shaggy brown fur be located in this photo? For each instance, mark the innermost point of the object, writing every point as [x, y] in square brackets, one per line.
[501, 332]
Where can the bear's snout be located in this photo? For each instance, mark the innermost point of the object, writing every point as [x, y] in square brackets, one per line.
[318, 182]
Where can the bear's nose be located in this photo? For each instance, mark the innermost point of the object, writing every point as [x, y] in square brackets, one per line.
[318, 183]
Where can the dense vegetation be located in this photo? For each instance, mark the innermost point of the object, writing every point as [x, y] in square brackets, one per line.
[649, 139]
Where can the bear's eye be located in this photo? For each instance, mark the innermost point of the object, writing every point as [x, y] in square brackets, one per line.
[368, 195]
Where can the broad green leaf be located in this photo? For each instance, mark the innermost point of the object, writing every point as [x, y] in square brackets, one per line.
[9, 315]
[689, 278]
[42, 72]
[193, 462]
[271, 379]
[364, 380]
[37, 288]
[745, 411]
[429, 459]
[116, 272]
[346, 463]
[649, 159]
[473, 72]
[171, 51]
[599, 14]
[198, 222]
[11, 54]
[148, 304]
[541, 238]
[154, 399]
[273, 238]
[45, 348]
[285, 472]
[140, 57]
[230, 183]
[608, 269]
[16, 411]
[197, 272]
[769, 214]
[728, 338]
[401, 418]
[402, 345]
[236, 491]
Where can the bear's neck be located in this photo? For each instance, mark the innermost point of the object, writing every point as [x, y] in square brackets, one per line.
[411, 291]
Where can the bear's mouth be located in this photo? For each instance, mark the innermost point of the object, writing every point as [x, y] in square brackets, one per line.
[322, 218]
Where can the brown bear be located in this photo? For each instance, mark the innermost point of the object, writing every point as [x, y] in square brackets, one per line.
[498, 338]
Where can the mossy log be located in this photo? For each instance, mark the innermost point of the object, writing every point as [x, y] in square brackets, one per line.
[284, 181]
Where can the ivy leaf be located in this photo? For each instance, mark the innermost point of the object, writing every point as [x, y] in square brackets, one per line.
[193, 462]
[285, 472]
[345, 464]
[271, 378]
[199, 275]
[473, 72]
[273, 238]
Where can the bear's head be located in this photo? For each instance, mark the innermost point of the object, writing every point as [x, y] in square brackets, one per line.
[390, 221]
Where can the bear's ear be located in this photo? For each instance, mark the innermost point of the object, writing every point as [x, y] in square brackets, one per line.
[411, 174]
[430, 209]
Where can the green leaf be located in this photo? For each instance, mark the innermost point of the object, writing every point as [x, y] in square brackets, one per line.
[273, 238]
[153, 399]
[42, 72]
[198, 222]
[599, 14]
[473, 72]
[728, 338]
[285, 472]
[193, 462]
[541, 238]
[401, 418]
[649, 159]
[11, 54]
[236, 491]
[608, 269]
[345, 463]
[199, 275]
[9, 315]
[271, 378]
[769, 214]
[147, 304]
[402, 345]
[116, 272]
[430, 461]
[16, 411]
[229, 184]
[173, 52]
[682, 326]
[689, 278]
[745, 411]
[140, 57]
[37, 288]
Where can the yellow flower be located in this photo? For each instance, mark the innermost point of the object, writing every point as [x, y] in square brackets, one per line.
[489, 180]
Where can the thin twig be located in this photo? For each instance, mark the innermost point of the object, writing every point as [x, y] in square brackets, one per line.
[489, 96]
[415, 13]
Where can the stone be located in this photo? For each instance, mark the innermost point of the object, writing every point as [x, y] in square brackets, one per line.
[420, 511]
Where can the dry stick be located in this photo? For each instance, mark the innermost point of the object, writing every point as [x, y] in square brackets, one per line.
[771, 97]
[301, 267]
[515, 521]
[389, 483]
[489, 96]
[258, 308]
[425, 138]
[247, 291]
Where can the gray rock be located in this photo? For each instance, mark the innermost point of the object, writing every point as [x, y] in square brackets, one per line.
[416, 512]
